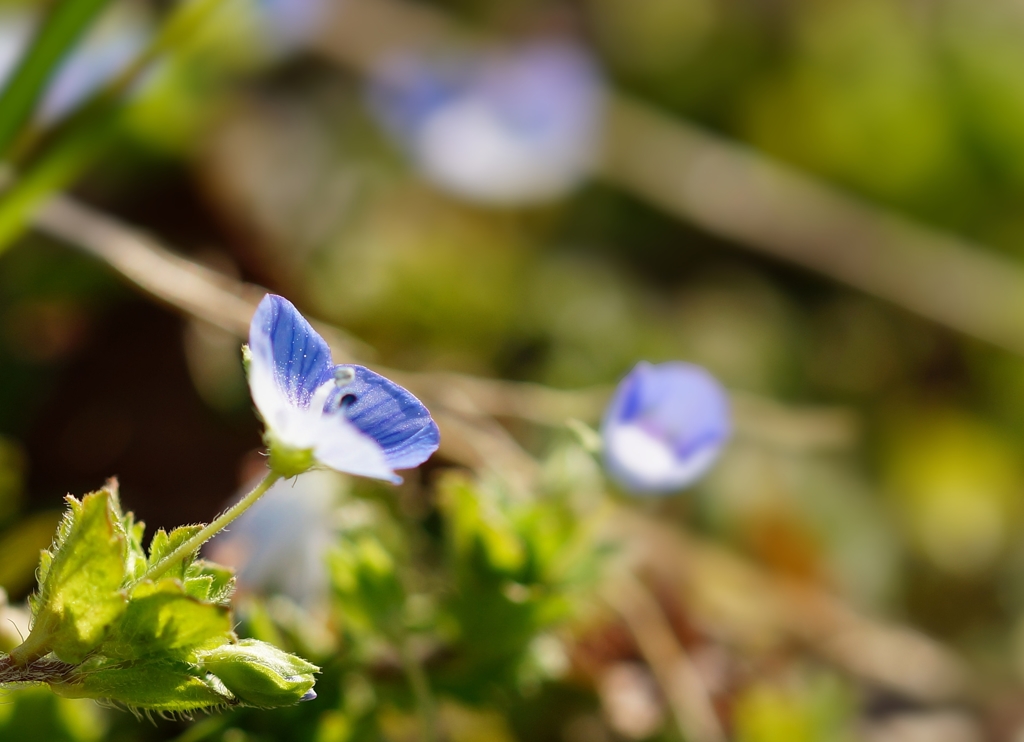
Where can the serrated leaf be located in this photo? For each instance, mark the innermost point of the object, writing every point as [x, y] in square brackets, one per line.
[208, 581]
[164, 543]
[174, 687]
[164, 622]
[45, 560]
[81, 577]
[136, 562]
[199, 587]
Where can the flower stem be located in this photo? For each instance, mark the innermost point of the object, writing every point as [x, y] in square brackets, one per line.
[420, 685]
[218, 523]
[36, 671]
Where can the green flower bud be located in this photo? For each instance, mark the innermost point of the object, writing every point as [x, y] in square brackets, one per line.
[260, 674]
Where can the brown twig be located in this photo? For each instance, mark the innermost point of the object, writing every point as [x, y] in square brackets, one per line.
[735, 192]
[682, 685]
[747, 607]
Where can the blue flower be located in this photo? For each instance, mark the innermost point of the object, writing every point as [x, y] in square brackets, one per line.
[289, 23]
[664, 427]
[16, 27]
[504, 127]
[343, 417]
[108, 48]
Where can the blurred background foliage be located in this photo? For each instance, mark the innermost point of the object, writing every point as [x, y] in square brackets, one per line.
[250, 150]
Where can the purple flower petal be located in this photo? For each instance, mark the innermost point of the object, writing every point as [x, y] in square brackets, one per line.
[390, 415]
[505, 127]
[665, 426]
[292, 22]
[301, 358]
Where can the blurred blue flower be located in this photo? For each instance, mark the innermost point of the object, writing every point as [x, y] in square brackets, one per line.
[344, 417]
[16, 28]
[107, 49]
[664, 427]
[288, 23]
[505, 127]
[279, 544]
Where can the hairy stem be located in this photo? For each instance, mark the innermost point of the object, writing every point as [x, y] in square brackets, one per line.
[218, 523]
[37, 671]
[36, 646]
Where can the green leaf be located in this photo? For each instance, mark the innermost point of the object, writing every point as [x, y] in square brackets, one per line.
[80, 580]
[202, 580]
[144, 644]
[65, 24]
[174, 687]
[211, 582]
[135, 564]
[163, 622]
[164, 543]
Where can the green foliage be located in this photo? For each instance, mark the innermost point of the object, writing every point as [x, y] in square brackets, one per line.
[817, 712]
[516, 570]
[202, 580]
[163, 622]
[368, 587]
[80, 578]
[471, 611]
[151, 645]
[65, 24]
[260, 674]
[35, 713]
[154, 686]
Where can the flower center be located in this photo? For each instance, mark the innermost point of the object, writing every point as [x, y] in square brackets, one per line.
[333, 399]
